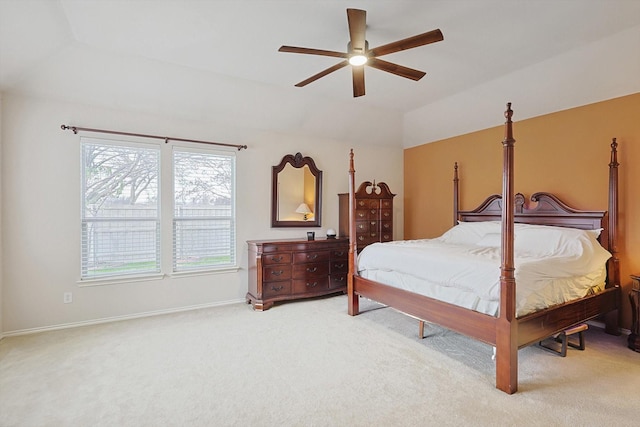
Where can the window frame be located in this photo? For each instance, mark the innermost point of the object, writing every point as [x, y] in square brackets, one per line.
[165, 217]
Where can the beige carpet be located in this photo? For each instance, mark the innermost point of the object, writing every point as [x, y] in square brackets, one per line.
[303, 363]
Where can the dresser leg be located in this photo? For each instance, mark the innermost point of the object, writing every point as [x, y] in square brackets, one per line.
[258, 305]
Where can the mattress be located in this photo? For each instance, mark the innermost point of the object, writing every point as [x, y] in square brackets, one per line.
[553, 265]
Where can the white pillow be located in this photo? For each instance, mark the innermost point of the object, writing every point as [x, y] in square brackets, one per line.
[546, 240]
[470, 233]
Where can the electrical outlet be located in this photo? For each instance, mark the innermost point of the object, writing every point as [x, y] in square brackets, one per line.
[67, 297]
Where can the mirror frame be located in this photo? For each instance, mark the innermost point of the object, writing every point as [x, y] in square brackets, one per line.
[297, 161]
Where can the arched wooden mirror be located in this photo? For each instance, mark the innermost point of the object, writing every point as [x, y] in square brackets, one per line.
[296, 193]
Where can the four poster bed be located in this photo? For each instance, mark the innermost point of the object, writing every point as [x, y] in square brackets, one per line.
[504, 321]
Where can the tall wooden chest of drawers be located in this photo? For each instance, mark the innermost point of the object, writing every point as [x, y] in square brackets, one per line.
[290, 269]
[374, 214]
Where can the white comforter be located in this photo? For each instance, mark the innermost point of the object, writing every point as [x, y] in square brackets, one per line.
[462, 267]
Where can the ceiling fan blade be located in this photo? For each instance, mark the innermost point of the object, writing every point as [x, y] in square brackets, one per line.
[357, 20]
[323, 73]
[396, 69]
[358, 81]
[309, 51]
[408, 43]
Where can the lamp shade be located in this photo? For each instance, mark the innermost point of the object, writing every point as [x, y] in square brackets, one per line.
[303, 209]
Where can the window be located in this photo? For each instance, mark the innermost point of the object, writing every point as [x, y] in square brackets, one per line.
[204, 210]
[122, 199]
[120, 209]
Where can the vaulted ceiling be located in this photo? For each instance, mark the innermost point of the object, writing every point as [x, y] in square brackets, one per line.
[219, 60]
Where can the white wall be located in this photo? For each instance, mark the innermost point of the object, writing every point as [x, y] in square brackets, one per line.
[41, 209]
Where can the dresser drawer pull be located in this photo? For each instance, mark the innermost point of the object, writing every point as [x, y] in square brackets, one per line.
[314, 256]
[277, 258]
[338, 265]
[338, 279]
[277, 273]
[312, 270]
[312, 285]
[339, 253]
[276, 289]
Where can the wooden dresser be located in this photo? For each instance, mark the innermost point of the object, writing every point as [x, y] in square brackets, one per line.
[290, 269]
[374, 214]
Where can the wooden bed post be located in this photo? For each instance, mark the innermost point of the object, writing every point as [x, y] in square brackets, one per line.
[507, 326]
[354, 302]
[456, 194]
[612, 319]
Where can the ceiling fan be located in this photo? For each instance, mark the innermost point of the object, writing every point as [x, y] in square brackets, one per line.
[358, 53]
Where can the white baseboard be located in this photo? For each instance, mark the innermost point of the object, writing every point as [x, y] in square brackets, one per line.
[116, 318]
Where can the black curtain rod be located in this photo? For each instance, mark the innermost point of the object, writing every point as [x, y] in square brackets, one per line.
[76, 129]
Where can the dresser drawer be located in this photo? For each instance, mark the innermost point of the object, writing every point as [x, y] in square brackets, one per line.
[339, 266]
[362, 227]
[275, 289]
[277, 248]
[362, 214]
[337, 281]
[276, 258]
[314, 256]
[302, 271]
[310, 285]
[340, 254]
[366, 239]
[276, 273]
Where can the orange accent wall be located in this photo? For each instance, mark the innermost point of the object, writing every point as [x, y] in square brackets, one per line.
[565, 153]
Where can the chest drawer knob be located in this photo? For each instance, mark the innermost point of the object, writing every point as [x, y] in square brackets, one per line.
[312, 269]
[277, 258]
[277, 272]
[313, 256]
[312, 285]
[277, 288]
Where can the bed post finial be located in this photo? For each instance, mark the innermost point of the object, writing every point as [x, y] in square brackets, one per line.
[508, 128]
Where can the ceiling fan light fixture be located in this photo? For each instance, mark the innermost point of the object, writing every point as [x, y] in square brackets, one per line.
[358, 59]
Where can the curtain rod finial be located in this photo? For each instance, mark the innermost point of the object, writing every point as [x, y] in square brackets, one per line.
[72, 128]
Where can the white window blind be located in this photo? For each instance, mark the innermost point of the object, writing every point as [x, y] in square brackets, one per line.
[120, 209]
[204, 210]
